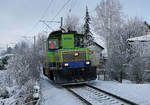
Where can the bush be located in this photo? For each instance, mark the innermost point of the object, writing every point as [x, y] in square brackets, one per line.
[4, 62]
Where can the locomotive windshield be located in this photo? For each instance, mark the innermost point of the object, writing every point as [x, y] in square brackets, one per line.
[79, 42]
[53, 44]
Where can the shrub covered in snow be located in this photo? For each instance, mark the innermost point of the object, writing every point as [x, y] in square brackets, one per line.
[23, 71]
[3, 62]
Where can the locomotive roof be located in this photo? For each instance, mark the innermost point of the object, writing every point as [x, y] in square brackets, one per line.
[59, 33]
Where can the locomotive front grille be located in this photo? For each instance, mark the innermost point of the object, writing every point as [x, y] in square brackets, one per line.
[70, 56]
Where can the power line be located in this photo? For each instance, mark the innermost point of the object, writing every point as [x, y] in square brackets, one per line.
[45, 22]
[60, 10]
[72, 5]
[49, 5]
[43, 15]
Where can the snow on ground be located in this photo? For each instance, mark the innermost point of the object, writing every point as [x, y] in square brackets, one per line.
[56, 95]
[7, 101]
[138, 93]
[6, 55]
[4, 89]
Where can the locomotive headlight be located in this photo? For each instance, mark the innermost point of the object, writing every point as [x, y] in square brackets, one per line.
[76, 54]
[66, 64]
[87, 63]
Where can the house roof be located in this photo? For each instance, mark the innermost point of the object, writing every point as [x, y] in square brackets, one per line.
[147, 71]
[99, 40]
[144, 38]
[99, 45]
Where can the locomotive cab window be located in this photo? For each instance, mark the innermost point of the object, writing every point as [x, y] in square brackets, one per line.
[78, 42]
[53, 44]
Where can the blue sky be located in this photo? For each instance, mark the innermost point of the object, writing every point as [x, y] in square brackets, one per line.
[17, 17]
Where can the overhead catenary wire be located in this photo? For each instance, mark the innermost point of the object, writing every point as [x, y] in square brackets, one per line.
[53, 19]
[60, 10]
[49, 5]
[46, 24]
[72, 6]
[42, 16]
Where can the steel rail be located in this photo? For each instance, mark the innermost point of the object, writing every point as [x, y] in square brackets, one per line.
[115, 96]
[78, 96]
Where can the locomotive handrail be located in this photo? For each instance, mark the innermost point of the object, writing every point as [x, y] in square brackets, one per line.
[65, 52]
[96, 60]
[55, 60]
[47, 61]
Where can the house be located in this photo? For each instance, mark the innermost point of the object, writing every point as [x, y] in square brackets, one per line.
[142, 44]
[98, 48]
[146, 75]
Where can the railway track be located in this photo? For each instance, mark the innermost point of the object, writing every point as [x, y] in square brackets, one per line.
[91, 95]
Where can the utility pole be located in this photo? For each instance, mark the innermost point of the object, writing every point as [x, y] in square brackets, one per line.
[34, 42]
[61, 23]
[7, 47]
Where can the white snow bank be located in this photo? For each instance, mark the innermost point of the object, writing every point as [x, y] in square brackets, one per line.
[54, 95]
[9, 55]
[138, 93]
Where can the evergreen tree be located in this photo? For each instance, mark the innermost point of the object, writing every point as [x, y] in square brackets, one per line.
[3, 63]
[88, 38]
[9, 50]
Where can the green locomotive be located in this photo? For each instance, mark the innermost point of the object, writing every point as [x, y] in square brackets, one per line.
[67, 61]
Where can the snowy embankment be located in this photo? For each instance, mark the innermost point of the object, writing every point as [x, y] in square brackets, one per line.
[56, 95]
[6, 93]
[138, 93]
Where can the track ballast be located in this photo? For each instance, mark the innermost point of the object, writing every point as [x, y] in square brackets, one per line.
[91, 95]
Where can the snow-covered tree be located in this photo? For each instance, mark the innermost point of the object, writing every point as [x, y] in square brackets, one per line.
[41, 41]
[9, 50]
[108, 17]
[106, 24]
[136, 27]
[41, 45]
[88, 37]
[25, 65]
[71, 23]
[110, 24]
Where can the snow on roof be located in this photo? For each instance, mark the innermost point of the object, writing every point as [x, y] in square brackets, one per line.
[101, 41]
[98, 39]
[147, 71]
[141, 38]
